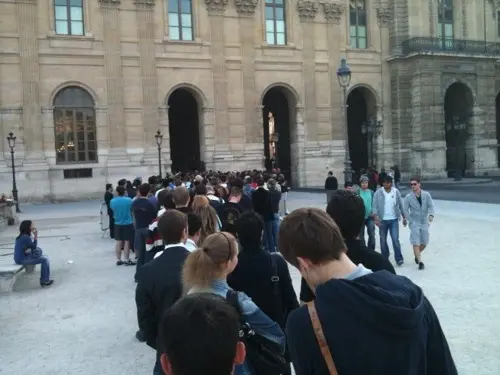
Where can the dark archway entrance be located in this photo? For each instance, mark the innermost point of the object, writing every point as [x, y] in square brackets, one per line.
[361, 107]
[497, 106]
[184, 130]
[277, 120]
[458, 106]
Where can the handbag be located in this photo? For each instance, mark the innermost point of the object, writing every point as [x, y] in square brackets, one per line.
[320, 337]
[264, 356]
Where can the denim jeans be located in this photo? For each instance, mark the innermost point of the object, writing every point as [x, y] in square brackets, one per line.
[271, 228]
[392, 227]
[140, 237]
[370, 228]
[44, 263]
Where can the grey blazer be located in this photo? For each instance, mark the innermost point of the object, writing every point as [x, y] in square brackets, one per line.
[414, 212]
[378, 204]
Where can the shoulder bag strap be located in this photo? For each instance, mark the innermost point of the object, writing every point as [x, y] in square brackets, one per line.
[320, 337]
[275, 280]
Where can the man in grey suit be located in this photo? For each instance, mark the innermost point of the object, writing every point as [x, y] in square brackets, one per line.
[419, 210]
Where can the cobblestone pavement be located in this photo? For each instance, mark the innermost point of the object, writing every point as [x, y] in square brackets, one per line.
[85, 323]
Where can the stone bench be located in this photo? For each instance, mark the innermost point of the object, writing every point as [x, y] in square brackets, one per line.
[9, 273]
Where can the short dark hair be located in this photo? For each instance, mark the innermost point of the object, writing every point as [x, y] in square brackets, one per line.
[348, 211]
[165, 199]
[120, 190]
[330, 173]
[249, 228]
[144, 189]
[172, 225]
[122, 182]
[192, 353]
[109, 186]
[348, 184]
[415, 178]
[387, 178]
[194, 223]
[181, 196]
[200, 189]
[312, 234]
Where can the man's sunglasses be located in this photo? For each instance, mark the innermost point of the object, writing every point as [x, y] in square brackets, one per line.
[413, 184]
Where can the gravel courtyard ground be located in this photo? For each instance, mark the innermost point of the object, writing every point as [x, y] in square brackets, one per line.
[85, 323]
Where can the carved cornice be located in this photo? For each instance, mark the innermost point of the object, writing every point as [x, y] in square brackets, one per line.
[109, 2]
[145, 3]
[495, 4]
[333, 11]
[384, 16]
[307, 9]
[246, 7]
[216, 6]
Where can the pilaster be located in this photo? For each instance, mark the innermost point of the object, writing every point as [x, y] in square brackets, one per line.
[114, 82]
[307, 10]
[164, 127]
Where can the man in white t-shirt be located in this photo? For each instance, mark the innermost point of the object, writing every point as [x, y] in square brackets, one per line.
[387, 209]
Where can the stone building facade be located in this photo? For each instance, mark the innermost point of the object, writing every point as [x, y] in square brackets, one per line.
[86, 84]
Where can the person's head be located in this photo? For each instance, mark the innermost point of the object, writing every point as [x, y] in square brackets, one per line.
[144, 189]
[120, 190]
[260, 182]
[330, 173]
[215, 259]
[199, 334]
[347, 209]
[249, 228]
[209, 222]
[415, 184]
[308, 240]
[165, 182]
[348, 185]
[181, 196]
[109, 187]
[363, 182]
[248, 180]
[271, 184]
[25, 227]
[387, 182]
[200, 188]
[194, 226]
[173, 227]
[199, 201]
[166, 199]
[129, 184]
[236, 186]
[210, 190]
[220, 191]
[178, 182]
[122, 182]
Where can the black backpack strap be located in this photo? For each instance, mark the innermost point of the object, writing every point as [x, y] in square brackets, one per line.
[275, 280]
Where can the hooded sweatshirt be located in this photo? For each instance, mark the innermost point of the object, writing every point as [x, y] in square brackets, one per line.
[375, 324]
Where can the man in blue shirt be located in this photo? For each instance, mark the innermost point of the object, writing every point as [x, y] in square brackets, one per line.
[124, 227]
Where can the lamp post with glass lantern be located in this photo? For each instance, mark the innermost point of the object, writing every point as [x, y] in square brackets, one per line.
[11, 139]
[372, 128]
[344, 78]
[458, 129]
[159, 140]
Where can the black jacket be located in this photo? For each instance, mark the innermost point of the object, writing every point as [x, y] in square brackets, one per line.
[376, 324]
[258, 285]
[107, 199]
[331, 183]
[274, 200]
[159, 287]
[357, 253]
[261, 203]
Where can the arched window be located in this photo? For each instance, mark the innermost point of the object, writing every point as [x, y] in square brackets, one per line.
[275, 22]
[75, 126]
[180, 20]
[445, 23]
[357, 23]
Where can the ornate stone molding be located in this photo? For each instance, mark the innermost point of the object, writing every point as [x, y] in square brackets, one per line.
[384, 16]
[333, 11]
[144, 3]
[216, 6]
[109, 2]
[495, 4]
[246, 7]
[307, 9]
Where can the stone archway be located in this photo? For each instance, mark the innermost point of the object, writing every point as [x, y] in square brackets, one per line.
[279, 107]
[458, 111]
[184, 108]
[361, 120]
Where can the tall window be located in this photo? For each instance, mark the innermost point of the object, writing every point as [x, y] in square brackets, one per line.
[275, 22]
[69, 17]
[180, 20]
[357, 22]
[75, 126]
[498, 31]
[445, 22]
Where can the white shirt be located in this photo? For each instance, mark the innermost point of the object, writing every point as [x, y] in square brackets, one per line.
[389, 205]
[158, 192]
[180, 244]
[191, 245]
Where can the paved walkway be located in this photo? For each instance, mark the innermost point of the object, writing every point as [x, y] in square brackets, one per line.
[85, 323]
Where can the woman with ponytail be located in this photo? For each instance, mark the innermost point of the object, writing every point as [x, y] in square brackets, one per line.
[206, 271]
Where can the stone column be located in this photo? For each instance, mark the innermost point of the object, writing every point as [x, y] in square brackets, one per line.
[114, 81]
[307, 10]
[216, 9]
[164, 127]
[30, 78]
[147, 60]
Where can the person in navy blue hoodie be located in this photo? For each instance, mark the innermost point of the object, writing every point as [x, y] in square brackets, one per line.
[374, 322]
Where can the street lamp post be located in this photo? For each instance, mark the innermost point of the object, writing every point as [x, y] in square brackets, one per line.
[344, 78]
[372, 128]
[458, 128]
[11, 139]
[159, 140]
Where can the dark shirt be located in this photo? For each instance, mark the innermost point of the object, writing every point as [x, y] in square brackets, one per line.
[23, 243]
[376, 324]
[357, 253]
[259, 287]
[184, 209]
[331, 183]
[261, 203]
[419, 199]
[274, 200]
[107, 199]
[144, 212]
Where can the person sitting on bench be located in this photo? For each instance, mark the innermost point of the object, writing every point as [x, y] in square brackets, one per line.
[26, 251]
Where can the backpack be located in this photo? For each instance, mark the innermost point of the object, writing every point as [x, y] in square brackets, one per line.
[264, 356]
[231, 212]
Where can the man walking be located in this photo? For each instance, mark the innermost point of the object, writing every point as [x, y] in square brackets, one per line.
[367, 196]
[419, 209]
[331, 184]
[387, 211]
